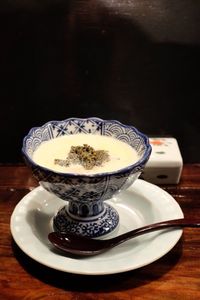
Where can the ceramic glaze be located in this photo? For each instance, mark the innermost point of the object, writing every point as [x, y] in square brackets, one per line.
[121, 154]
[85, 213]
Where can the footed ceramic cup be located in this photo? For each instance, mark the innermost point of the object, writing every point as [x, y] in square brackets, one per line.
[85, 212]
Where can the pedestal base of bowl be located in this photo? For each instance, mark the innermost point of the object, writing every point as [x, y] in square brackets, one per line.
[96, 226]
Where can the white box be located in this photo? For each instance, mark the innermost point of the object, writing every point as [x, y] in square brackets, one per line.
[165, 163]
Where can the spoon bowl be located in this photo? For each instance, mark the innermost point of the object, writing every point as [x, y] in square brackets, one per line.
[83, 246]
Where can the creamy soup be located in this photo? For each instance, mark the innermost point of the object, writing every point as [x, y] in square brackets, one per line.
[120, 154]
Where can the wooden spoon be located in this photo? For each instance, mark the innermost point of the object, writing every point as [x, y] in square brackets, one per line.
[84, 246]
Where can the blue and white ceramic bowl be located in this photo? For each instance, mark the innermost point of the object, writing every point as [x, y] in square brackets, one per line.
[85, 212]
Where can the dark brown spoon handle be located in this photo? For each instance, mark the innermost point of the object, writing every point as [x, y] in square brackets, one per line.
[156, 226]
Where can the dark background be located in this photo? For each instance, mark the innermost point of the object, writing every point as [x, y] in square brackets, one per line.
[136, 61]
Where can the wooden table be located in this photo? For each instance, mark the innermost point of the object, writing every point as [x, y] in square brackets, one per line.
[174, 276]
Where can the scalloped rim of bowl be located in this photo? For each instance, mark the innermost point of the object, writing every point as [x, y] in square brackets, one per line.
[142, 160]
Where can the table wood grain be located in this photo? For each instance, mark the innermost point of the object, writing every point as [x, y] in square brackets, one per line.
[174, 276]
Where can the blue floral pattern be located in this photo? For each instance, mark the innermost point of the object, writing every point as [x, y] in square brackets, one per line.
[64, 222]
[85, 194]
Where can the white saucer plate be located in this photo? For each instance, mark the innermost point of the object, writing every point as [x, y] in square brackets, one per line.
[143, 203]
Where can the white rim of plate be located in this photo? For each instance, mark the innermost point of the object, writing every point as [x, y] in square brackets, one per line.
[157, 205]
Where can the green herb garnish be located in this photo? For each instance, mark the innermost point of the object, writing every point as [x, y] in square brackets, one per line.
[84, 155]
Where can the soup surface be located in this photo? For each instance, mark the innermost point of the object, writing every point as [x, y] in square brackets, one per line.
[120, 154]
